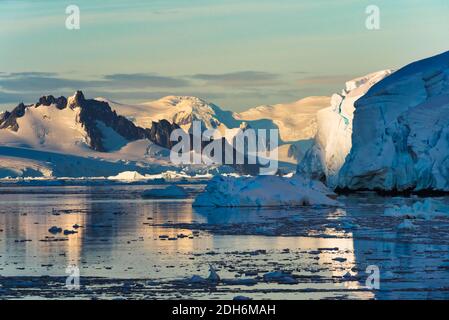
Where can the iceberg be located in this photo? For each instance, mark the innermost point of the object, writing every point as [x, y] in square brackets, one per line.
[333, 141]
[400, 139]
[128, 176]
[264, 191]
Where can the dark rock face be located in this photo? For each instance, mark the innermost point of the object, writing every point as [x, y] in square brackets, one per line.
[4, 116]
[60, 102]
[160, 133]
[9, 120]
[93, 111]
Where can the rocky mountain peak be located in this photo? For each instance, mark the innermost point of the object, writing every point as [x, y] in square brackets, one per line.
[60, 102]
[76, 100]
[9, 119]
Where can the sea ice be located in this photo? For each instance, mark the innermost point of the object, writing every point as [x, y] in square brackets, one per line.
[406, 225]
[128, 176]
[426, 209]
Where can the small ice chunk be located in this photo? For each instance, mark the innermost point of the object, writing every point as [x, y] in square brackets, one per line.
[348, 276]
[406, 225]
[240, 282]
[68, 232]
[195, 279]
[242, 298]
[55, 230]
[279, 277]
[213, 275]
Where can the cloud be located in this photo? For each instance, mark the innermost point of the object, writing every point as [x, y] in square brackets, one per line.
[36, 83]
[47, 81]
[239, 79]
[15, 98]
[143, 80]
[28, 74]
[28, 86]
[324, 80]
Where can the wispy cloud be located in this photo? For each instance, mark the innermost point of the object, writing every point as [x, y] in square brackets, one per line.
[28, 86]
[143, 80]
[45, 81]
[324, 80]
[239, 79]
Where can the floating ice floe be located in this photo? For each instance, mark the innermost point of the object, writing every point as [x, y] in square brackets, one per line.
[131, 176]
[69, 232]
[241, 298]
[348, 276]
[280, 277]
[167, 192]
[264, 191]
[406, 225]
[55, 230]
[213, 275]
[212, 279]
[128, 176]
[419, 210]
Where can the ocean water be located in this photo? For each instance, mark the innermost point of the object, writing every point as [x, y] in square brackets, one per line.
[134, 248]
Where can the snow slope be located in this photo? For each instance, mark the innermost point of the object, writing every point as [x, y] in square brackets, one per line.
[17, 167]
[23, 162]
[181, 110]
[333, 140]
[47, 127]
[296, 121]
[401, 131]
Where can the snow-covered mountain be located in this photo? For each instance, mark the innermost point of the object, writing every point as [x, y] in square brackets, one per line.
[181, 110]
[75, 125]
[296, 121]
[333, 139]
[400, 135]
[78, 137]
[53, 135]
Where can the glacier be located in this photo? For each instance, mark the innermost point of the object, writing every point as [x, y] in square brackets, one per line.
[333, 139]
[400, 140]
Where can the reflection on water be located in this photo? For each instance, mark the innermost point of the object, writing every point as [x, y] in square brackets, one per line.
[125, 237]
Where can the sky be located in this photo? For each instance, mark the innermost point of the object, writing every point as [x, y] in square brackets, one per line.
[236, 54]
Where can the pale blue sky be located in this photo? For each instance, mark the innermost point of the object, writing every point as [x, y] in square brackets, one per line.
[237, 54]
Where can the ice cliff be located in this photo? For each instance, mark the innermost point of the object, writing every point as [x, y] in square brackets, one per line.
[400, 139]
[333, 139]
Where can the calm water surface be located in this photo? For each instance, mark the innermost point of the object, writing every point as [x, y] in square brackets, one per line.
[123, 241]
